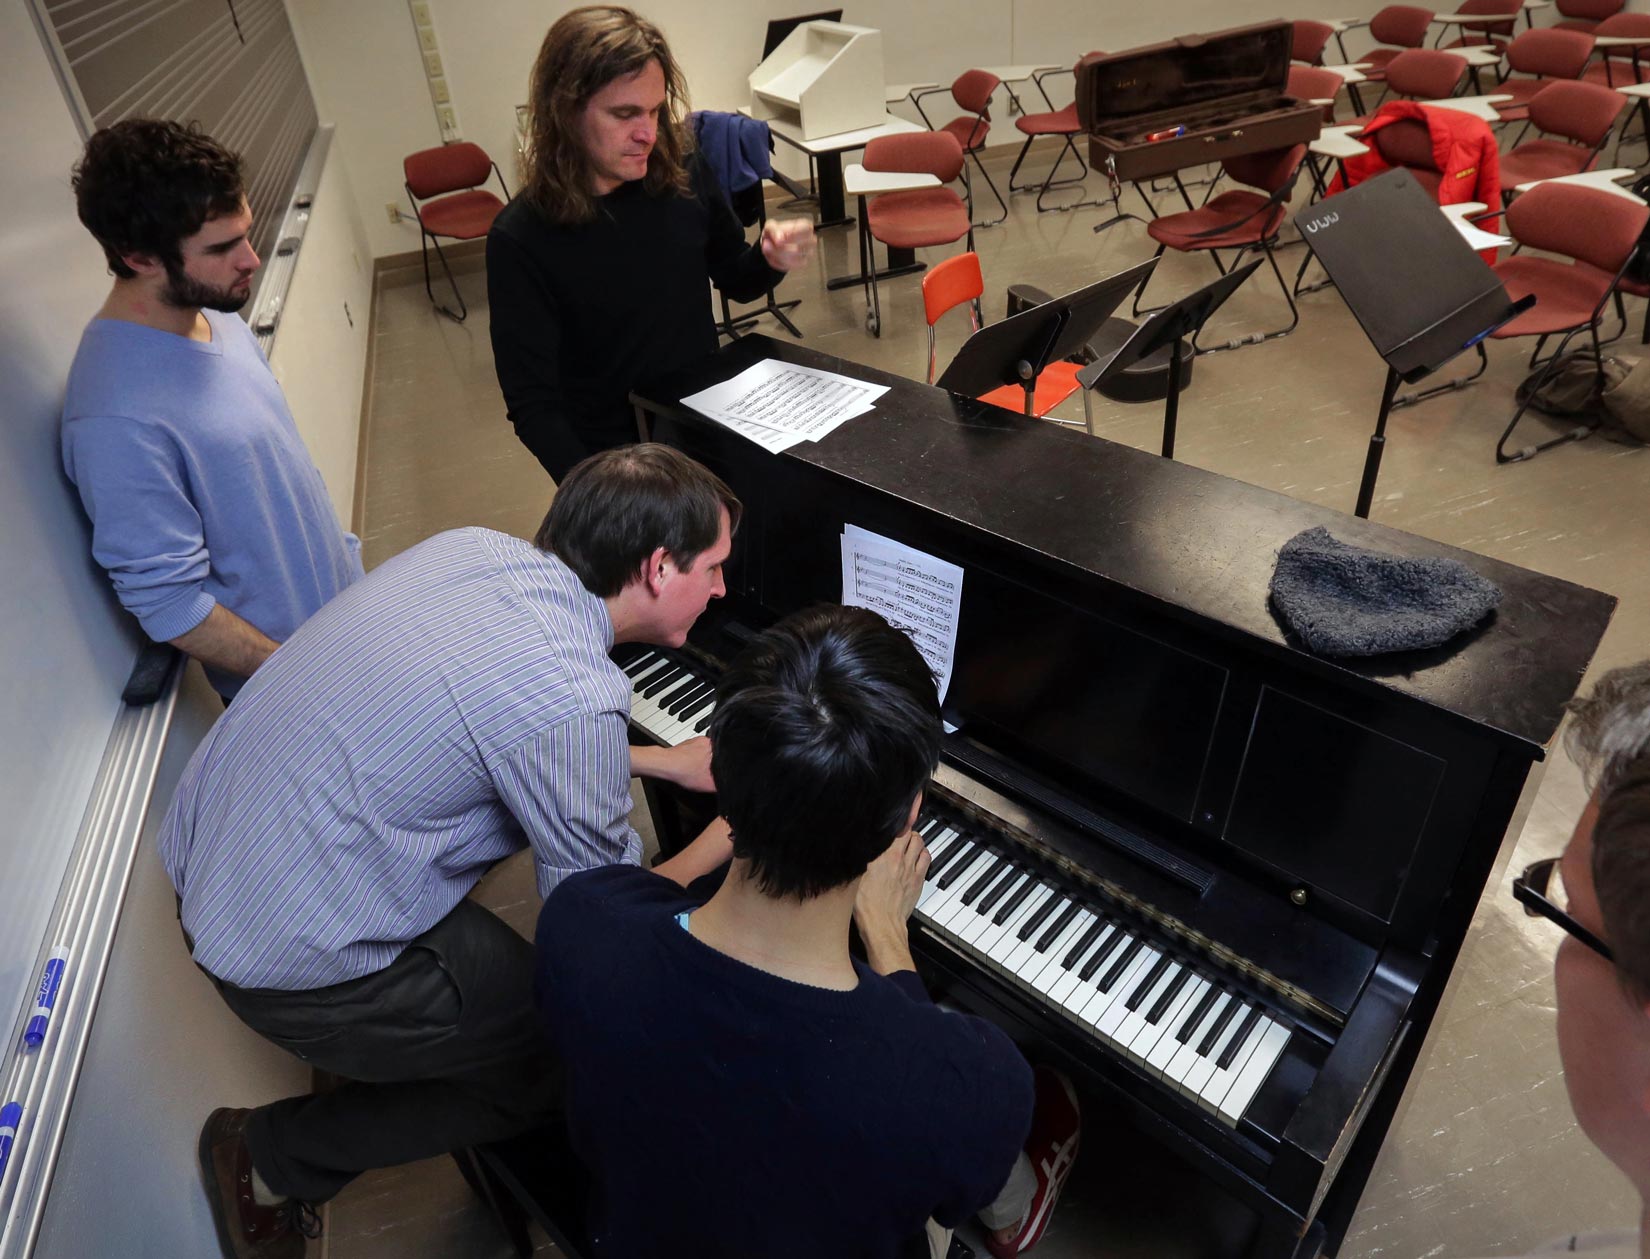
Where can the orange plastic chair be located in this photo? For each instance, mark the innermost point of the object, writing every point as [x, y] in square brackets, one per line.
[949, 284]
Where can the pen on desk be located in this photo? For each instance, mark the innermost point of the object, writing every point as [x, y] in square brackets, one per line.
[11, 1115]
[45, 997]
[1173, 133]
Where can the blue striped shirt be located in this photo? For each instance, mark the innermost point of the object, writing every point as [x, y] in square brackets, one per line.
[448, 709]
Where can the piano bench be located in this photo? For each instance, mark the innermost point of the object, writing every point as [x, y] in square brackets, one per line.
[533, 1178]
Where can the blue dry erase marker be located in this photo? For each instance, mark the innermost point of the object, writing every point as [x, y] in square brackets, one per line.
[51, 979]
[11, 1115]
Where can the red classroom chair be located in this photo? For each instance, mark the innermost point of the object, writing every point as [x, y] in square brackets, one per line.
[447, 180]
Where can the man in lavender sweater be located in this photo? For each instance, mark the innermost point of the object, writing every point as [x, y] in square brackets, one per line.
[207, 511]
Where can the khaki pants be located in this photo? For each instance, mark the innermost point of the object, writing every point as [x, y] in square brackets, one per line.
[1008, 1208]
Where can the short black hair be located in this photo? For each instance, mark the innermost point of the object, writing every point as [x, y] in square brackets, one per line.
[613, 509]
[826, 729]
[144, 185]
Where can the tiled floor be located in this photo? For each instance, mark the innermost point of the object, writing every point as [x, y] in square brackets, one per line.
[1483, 1158]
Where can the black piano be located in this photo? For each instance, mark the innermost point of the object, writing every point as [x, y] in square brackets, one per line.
[1221, 879]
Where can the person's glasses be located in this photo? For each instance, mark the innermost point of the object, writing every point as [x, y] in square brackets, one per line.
[1535, 891]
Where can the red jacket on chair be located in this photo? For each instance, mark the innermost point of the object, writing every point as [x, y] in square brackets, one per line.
[1463, 149]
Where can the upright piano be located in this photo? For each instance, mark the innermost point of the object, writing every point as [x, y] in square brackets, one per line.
[1220, 878]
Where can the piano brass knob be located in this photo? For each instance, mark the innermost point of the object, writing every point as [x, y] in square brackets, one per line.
[1298, 895]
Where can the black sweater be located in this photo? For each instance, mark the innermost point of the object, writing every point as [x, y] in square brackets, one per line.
[582, 315]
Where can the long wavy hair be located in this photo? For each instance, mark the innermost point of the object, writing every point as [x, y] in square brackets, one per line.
[583, 52]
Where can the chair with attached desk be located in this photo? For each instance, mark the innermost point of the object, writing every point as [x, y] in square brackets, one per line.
[1394, 28]
[1051, 122]
[1308, 39]
[444, 186]
[971, 90]
[1498, 34]
[1313, 83]
[1597, 232]
[1585, 15]
[1246, 219]
[1541, 56]
[957, 281]
[1422, 74]
[912, 218]
[1620, 64]
[1580, 115]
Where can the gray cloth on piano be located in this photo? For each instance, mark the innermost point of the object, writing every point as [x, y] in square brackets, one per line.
[1344, 600]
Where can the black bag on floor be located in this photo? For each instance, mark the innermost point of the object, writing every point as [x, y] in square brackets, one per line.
[1572, 388]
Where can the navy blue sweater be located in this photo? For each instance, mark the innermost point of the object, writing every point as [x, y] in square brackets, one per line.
[730, 1114]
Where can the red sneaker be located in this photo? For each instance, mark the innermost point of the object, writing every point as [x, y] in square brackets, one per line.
[1056, 1131]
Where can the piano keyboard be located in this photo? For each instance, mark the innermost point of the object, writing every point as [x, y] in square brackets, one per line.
[1168, 1014]
[669, 700]
[1171, 1015]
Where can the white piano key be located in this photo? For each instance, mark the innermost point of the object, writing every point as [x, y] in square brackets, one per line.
[1162, 1053]
[1068, 981]
[1197, 1079]
[1260, 1064]
[1187, 1059]
[1025, 950]
[1220, 1080]
[980, 921]
[1109, 1008]
[1050, 971]
[950, 902]
[1134, 1021]
[990, 932]
[998, 942]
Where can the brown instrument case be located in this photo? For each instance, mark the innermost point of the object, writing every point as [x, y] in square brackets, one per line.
[1226, 89]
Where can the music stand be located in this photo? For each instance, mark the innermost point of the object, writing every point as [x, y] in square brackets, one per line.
[1173, 326]
[1421, 294]
[1014, 351]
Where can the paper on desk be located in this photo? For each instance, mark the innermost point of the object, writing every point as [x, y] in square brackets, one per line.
[909, 589]
[779, 404]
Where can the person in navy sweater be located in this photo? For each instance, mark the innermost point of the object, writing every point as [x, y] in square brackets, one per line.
[207, 511]
[739, 1085]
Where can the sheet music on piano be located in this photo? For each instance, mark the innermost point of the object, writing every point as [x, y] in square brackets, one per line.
[778, 404]
[910, 589]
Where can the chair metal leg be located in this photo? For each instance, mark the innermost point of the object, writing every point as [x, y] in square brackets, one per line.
[1255, 338]
[1575, 434]
[1050, 182]
[1449, 386]
[463, 311]
[1140, 290]
[984, 174]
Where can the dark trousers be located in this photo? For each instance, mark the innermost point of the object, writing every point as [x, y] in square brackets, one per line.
[441, 1049]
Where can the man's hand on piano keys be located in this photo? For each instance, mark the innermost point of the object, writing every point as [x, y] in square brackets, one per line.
[888, 892]
[687, 765]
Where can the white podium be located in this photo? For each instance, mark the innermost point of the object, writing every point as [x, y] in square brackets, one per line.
[825, 78]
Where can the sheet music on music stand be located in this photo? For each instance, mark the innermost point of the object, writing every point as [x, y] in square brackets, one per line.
[908, 588]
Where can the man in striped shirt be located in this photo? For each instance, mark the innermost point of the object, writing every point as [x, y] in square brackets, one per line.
[456, 705]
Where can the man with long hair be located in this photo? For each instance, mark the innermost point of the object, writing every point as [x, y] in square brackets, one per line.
[207, 511]
[596, 272]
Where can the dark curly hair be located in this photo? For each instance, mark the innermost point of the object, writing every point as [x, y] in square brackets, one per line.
[145, 184]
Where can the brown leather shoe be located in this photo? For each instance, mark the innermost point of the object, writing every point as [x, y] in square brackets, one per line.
[247, 1230]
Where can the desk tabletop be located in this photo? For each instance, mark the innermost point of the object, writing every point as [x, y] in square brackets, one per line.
[1621, 41]
[1479, 106]
[1640, 91]
[1477, 237]
[1352, 72]
[1194, 545]
[1016, 74]
[859, 182]
[1477, 54]
[894, 93]
[791, 134]
[1340, 25]
[1338, 142]
[1603, 180]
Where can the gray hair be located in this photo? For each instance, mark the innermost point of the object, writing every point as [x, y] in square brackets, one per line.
[1609, 734]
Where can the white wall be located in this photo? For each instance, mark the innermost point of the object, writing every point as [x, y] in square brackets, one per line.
[368, 75]
[320, 353]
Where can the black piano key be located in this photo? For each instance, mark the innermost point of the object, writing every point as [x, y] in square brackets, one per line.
[992, 874]
[692, 700]
[702, 724]
[1236, 1043]
[1038, 915]
[1082, 946]
[672, 696]
[1120, 965]
[999, 889]
[954, 869]
[1154, 972]
[1213, 1038]
[1011, 906]
[1210, 996]
[637, 661]
[1118, 939]
[1058, 926]
[670, 675]
[937, 848]
[1160, 1007]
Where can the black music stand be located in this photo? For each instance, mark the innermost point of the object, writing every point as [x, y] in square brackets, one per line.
[1014, 351]
[1172, 326]
[1418, 290]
